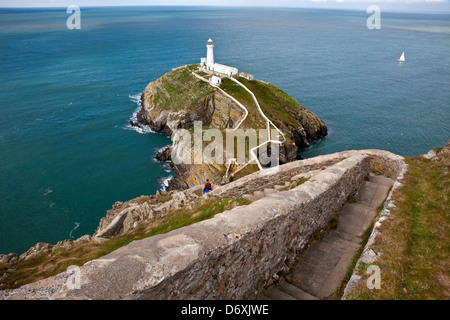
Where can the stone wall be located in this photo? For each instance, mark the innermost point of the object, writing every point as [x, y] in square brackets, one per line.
[229, 256]
[262, 239]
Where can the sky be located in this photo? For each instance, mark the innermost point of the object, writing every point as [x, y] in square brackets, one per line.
[393, 5]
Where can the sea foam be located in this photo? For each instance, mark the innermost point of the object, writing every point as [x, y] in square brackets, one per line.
[165, 182]
[142, 129]
[77, 224]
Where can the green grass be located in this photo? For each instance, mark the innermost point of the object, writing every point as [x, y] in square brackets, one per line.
[181, 90]
[249, 169]
[415, 242]
[254, 119]
[351, 199]
[274, 102]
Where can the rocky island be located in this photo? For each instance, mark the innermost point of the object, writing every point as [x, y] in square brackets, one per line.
[180, 97]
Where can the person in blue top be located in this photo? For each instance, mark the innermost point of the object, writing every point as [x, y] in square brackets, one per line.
[207, 187]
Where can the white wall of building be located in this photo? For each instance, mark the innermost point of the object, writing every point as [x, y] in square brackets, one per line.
[227, 70]
[215, 80]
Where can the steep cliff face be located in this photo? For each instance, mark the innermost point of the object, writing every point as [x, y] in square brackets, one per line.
[178, 99]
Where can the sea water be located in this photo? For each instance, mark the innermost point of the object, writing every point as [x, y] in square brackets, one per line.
[67, 152]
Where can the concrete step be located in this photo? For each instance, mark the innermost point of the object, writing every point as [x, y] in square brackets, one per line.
[381, 180]
[353, 218]
[366, 192]
[276, 294]
[346, 236]
[335, 242]
[296, 292]
[373, 192]
[334, 279]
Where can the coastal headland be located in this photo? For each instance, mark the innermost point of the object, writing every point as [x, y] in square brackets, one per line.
[231, 243]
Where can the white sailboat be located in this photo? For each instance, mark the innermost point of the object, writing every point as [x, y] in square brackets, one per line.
[402, 58]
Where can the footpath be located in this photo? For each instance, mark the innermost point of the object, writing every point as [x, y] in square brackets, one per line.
[254, 158]
[321, 268]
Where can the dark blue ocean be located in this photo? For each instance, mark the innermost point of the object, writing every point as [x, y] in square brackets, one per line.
[67, 152]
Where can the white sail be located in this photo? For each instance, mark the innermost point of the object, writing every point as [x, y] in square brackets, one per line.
[402, 58]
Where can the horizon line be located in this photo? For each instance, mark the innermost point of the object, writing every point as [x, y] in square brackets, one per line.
[393, 10]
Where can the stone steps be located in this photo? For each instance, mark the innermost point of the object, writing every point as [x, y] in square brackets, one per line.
[324, 264]
[275, 293]
[287, 291]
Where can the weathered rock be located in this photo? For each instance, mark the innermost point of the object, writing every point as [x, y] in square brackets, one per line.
[430, 154]
[117, 204]
[164, 154]
[142, 213]
[434, 154]
[9, 258]
[84, 238]
[64, 244]
[36, 250]
[135, 124]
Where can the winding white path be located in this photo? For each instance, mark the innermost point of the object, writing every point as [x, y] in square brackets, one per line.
[268, 122]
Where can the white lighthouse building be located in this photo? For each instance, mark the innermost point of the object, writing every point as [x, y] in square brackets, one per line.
[208, 62]
[209, 55]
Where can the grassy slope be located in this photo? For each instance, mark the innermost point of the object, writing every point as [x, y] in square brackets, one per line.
[180, 90]
[254, 119]
[415, 241]
[274, 102]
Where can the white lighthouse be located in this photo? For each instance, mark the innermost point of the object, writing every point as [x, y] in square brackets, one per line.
[209, 55]
[209, 64]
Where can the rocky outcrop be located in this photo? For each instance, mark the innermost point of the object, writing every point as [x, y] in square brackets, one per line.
[438, 153]
[164, 154]
[178, 99]
[125, 216]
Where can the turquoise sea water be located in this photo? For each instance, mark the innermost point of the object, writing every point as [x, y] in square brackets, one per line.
[67, 153]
